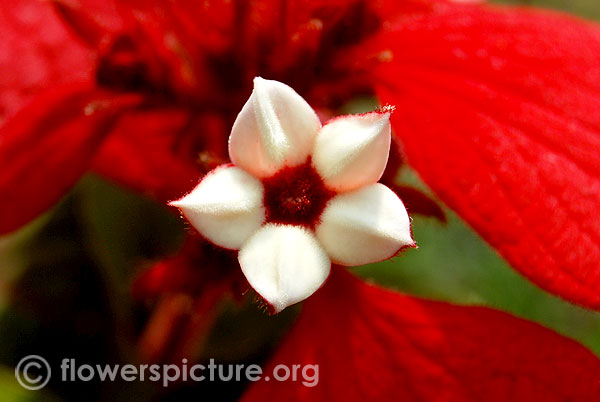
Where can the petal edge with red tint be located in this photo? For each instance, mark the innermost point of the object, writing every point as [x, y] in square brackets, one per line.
[499, 112]
[373, 344]
[48, 145]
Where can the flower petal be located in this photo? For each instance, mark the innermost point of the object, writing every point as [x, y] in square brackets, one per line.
[499, 112]
[364, 226]
[352, 151]
[372, 344]
[285, 264]
[226, 206]
[275, 128]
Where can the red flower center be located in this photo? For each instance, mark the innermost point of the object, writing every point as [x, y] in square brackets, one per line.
[296, 195]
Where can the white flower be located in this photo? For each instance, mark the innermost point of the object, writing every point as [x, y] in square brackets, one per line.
[299, 195]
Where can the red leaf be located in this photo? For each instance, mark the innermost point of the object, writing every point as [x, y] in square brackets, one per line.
[499, 112]
[47, 146]
[31, 58]
[376, 345]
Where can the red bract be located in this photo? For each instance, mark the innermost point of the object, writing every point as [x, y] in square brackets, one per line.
[48, 145]
[497, 109]
[501, 117]
[376, 345]
[32, 59]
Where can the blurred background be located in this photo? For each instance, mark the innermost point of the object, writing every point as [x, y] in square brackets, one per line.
[65, 285]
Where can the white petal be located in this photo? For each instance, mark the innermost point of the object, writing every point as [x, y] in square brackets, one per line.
[352, 151]
[275, 128]
[226, 206]
[284, 263]
[364, 226]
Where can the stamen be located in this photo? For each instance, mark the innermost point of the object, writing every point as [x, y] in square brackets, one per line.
[295, 195]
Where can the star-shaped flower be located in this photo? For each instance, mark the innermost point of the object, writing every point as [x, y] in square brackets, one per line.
[299, 195]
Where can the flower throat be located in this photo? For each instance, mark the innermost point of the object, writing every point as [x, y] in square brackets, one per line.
[295, 195]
